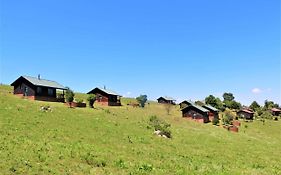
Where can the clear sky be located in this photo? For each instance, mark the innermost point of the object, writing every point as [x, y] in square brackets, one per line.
[181, 48]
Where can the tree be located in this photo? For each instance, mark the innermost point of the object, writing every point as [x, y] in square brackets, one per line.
[211, 100]
[235, 105]
[228, 97]
[199, 103]
[254, 106]
[268, 104]
[142, 100]
[91, 99]
[69, 95]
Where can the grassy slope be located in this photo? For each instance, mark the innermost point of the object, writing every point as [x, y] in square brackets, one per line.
[116, 140]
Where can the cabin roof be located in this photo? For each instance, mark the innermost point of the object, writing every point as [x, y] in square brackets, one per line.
[197, 107]
[276, 110]
[247, 111]
[188, 101]
[107, 91]
[167, 98]
[41, 82]
[211, 107]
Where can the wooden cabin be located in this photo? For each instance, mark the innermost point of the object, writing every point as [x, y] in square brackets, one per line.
[213, 112]
[38, 89]
[106, 97]
[196, 113]
[246, 114]
[166, 100]
[275, 111]
[185, 103]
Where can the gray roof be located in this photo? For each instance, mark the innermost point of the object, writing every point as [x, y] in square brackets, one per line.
[107, 91]
[198, 107]
[168, 98]
[43, 82]
[188, 101]
[211, 107]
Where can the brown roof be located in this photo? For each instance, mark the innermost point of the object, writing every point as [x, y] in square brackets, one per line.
[247, 111]
[276, 110]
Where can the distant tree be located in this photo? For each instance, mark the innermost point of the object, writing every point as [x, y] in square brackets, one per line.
[268, 105]
[254, 106]
[228, 97]
[215, 102]
[211, 100]
[69, 95]
[91, 99]
[220, 104]
[142, 100]
[199, 103]
[235, 105]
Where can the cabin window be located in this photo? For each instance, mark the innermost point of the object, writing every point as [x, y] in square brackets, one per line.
[50, 92]
[39, 90]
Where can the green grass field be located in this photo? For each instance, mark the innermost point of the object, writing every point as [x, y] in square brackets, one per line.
[117, 140]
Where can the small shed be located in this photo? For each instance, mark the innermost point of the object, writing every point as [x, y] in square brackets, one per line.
[106, 97]
[275, 111]
[214, 112]
[166, 100]
[196, 113]
[38, 89]
[246, 114]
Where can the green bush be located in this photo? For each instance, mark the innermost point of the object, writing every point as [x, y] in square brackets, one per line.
[215, 121]
[266, 115]
[228, 118]
[160, 125]
[146, 167]
[91, 99]
[79, 100]
[69, 95]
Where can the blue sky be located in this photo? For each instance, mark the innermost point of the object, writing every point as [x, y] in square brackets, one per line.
[184, 49]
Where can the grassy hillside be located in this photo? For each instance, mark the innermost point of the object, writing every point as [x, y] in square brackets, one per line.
[117, 140]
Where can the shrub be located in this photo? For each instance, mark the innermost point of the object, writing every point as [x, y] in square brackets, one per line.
[79, 100]
[160, 125]
[91, 99]
[69, 95]
[142, 100]
[215, 121]
[266, 115]
[94, 160]
[227, 118]
[146, 167]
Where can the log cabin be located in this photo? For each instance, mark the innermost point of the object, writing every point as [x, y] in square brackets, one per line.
[166, 100]
[106, 97]
[213, 112]
[38, 89]
[196, 113]
[246, 114]
[275, 111]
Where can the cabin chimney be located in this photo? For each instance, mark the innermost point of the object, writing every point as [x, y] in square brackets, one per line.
[39, 77]
[104, 87]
